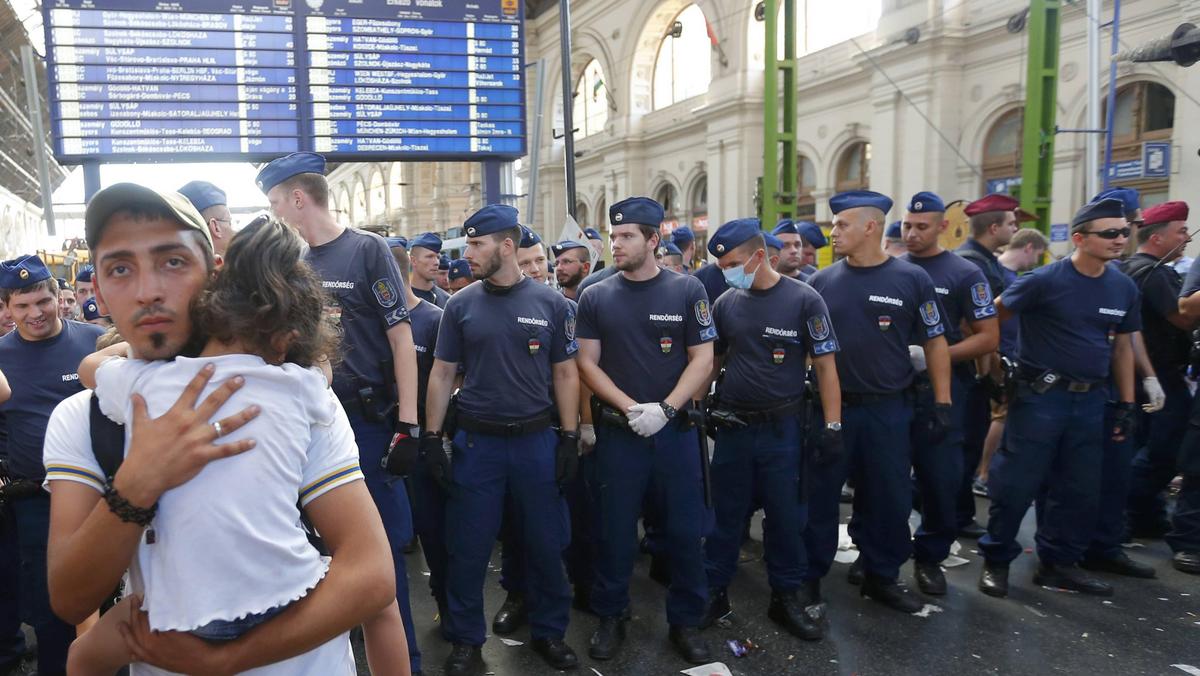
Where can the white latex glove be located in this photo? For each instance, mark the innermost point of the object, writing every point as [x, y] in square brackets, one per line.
[587, 438]
[916, 354]
[1154, 392]
[646, 419]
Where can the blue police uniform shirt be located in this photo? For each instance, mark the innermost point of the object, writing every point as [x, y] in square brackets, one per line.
[435, 295]
[1010, 331]
[1166, 344]
[987, 262]
[878, 311]
[1191, 283]
[1069, 320]
[42, 373]
[506, 344]
[713, 280]
[366, 298]
[962, 290]
[599, 275]
[425, 319]
[645, 328]
[765, 336]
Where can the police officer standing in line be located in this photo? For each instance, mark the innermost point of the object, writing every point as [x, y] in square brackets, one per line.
[768, 325]
[813, 239]
[964, 297]
[459, 275]
[443, 275]
[531, 256]
[571, 265]
[83, 284]
[791, 254]
[880, 305]
[683, 238]
[39, 360]
[645, 351]
[379, 359]
[1076, 318]
[1184, 536]
[424, 252]
[893, 240]
[671, 258]
[212, 204]
[596, 244]
[1168, 323]
[516, 341]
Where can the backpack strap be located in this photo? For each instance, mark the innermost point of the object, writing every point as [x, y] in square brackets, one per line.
[108, 441]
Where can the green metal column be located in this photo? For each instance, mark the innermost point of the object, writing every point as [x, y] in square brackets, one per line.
[1041, 100]
[777, 187]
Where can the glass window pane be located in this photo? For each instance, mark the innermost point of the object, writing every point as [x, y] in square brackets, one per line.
[1005, 137]
[1123, 115]
[1159, 112]
[808, 175]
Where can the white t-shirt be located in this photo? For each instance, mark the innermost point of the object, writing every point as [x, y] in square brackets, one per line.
[227, 542]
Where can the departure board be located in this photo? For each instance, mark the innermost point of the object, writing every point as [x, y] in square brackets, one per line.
[146, 80]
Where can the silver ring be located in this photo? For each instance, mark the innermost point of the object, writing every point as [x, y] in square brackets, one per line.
[217, 428]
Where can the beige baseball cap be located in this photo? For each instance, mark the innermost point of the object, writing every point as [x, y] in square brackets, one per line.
[126, 195]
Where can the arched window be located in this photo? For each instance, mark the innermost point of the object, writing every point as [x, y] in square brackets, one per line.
[344, 202]
[824, 24]
[854, 168]
[376, 196]
[581, 214]
[358, 205]
[1143, 124]
[396, 187]
[683, 67]
[1002, 153]
[669, 199]
[806, 183]
[601, 215]
[591, 100]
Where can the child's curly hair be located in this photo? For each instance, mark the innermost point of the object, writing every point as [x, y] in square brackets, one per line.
[268, 298]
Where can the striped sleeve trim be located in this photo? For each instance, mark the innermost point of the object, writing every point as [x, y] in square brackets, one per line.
[73, 473]
[329, 481]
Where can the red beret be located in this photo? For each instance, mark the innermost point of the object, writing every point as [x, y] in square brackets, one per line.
[1165, 213]
[993, 202]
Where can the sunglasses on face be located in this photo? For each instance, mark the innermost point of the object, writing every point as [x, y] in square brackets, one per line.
[1111, 233]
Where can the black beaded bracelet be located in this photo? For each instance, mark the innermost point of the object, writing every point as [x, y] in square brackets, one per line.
[126, 511]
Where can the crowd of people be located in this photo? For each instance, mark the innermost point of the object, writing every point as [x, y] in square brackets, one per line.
[222, 468]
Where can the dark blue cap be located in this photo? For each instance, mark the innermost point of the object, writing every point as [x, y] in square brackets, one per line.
[22, 272]
[925, 202]
[529, 238]
[811, 233]
[1105, 208]
[426, 240]
[682, 236]
[785, 226]
[852, 199]
[772, 241]
[894, 231]
[459, 269]
[443, 262]
[91, 310]
[1130, 200]
[63, 283]
[566, 245]
[396, 242]
[491, 219]
[638, 210]
[285, 167]
[84, 274]
[203, 194]
[669, 249]
[591, 233]
[732, 235]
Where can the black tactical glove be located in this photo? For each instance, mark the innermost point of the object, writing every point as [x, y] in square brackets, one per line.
[939, 425]
[1124, 420]
[403, 451]
[436, 460]
[566, 457]
[828, 449]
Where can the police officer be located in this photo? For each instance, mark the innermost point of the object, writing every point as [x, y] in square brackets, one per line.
[1184, 537]
[212, 204]
[671, 258]
[791, 255]
[459, 275]
[645, 349]
[596, 244]
[83, 284]
[880, 305]
[813, 239]
[1167, 331]
[367, 301]
[424, 253]
[893, 240]
[572, 263]
[964, 297]
[683, 238]
[768, 325]
[1076, 316]
[92, 315]
[39, 360]
[516, 341]
[531, 256]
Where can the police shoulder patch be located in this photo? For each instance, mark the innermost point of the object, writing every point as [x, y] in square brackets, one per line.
[930, 314]
[384, 292]
[702, 314]
[708, 334]
[569, 326]
[981, 295]
[818, 327]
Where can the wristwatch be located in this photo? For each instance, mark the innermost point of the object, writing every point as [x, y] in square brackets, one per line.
[834, 426]
[669, 410]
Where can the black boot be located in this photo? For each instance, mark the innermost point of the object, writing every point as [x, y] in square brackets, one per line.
[814, 605]
[556, 652]
[890, 593]
[930, 578]
[690, 644]
[1187, 562]
[993, 580]
[511, 616]
[607, 638]
[786, 610]
[1120, 564]
[855, 575]
[464, 660]
[718, 607]
[1070, 578]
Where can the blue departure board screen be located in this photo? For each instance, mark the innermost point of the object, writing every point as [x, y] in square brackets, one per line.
[146, 80]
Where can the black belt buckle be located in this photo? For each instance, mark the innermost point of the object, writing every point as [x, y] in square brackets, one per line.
[513, 429]
[1076, 386]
